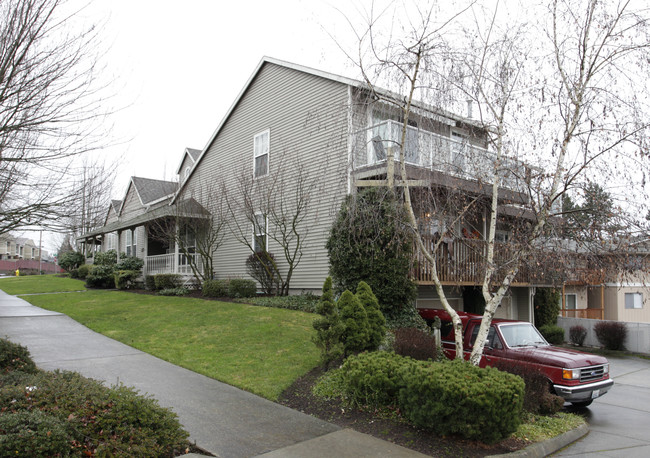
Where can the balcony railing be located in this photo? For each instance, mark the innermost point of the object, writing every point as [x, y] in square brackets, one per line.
[463, 261]
[171, 264]
[593, 314]
[435, 152]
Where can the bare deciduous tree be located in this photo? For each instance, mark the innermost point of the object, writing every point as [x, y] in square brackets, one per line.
[269, 212]
[561, 91]
[50, 107]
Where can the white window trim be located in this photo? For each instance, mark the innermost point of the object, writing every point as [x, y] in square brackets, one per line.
[637, 299]
[266, 231]
[566, 302]
[266, 132]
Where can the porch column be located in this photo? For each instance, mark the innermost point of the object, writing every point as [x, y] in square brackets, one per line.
[175, 263]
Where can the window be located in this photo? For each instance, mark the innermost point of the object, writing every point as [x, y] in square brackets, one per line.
[633, 300]
[111, 241]
[131, 242]
[501, 236]
[259, 233]
[570, 301]
[187, 173]
[261, 154]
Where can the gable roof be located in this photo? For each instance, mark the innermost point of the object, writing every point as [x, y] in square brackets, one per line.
[192, 153]
[150, 190]
[319, 73]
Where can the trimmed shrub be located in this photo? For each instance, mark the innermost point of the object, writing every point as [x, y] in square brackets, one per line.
[106, 258]
[376, 320]
[100, 277]
[261, 266]
[74, 273]
[34, 433]
[369, 241]
[454, 397]
[105, 421]
[180, 291]
[125, 279]
[547, 306]
[167, 281]
[215, 288]
[374, 379]
[328, 326]
[307, 302]
[552, 333]
[15, 357]
[129, 263]
[82, 272]
[577, 335]
[415, 343]
[611, 334]
[71, 260]
[538, 398]
[149, 283]
[238, 287]
[354, 319]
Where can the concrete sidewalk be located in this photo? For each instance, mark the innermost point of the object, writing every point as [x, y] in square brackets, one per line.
[221, 419]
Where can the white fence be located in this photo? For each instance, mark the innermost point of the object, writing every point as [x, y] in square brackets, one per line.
[638, 334]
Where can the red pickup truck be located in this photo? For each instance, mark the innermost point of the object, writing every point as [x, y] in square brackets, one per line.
[577, 377]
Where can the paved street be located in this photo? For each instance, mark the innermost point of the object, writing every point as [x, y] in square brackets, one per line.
[619, 422]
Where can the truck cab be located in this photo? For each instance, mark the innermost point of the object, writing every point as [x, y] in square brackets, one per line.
[577, 377]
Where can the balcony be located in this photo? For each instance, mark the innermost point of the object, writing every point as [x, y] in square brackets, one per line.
[462, 262]
[434, 152]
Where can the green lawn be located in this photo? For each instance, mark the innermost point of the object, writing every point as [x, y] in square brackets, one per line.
[32, 284]
[258, 349]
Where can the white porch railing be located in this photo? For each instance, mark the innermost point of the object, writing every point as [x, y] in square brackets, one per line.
[171, 264]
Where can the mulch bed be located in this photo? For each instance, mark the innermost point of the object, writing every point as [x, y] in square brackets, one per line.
[299, 396]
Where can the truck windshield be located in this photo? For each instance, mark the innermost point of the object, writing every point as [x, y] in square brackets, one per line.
[521, 335]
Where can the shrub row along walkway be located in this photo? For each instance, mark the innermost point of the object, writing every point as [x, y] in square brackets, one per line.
[221, 419]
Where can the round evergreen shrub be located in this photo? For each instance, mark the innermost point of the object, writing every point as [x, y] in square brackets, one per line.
[106, 258]
[455, 397]
[15, 357]
[129, 263]
[552, 333]
[215, 288]
[370, 241]
[81, 272]
[238, 287]
[167, 281]
[374, 378]
[71, 260]
[100, 276]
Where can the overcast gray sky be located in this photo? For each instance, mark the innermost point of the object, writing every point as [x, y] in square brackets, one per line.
[177, 67]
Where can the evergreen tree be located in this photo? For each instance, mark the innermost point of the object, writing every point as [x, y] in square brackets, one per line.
[328, 326]
[355, 323]
[376, 320]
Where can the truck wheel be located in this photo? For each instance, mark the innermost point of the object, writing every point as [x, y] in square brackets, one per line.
[582, 403]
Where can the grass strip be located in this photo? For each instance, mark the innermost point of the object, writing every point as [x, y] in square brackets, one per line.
[258, 349]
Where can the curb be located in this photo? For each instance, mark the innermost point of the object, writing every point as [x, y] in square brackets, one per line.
[545, 448]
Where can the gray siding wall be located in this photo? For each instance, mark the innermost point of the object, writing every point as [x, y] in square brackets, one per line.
[132, 205]
[307, 118]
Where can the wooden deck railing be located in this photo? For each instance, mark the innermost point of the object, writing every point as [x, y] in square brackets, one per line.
[593, 314]
[462, 261]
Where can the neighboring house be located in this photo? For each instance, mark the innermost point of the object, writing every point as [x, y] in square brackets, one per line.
[7, 246]
[289, 118]
[618, 292]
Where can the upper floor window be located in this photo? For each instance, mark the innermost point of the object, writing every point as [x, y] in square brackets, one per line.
[261, 154]
[187, 173]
